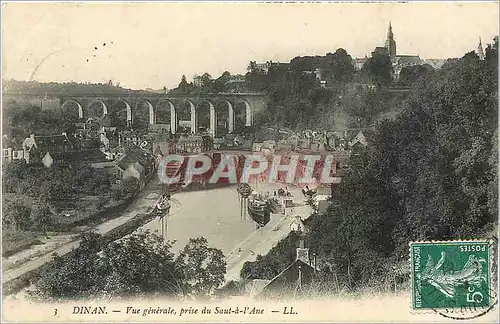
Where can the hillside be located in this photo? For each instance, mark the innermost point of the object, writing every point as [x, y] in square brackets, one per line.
[41, 88]
[429, 174]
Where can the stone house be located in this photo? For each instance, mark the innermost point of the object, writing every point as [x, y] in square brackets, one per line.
[292, 280]
[12, 154]
[136, 170]
[61, 147]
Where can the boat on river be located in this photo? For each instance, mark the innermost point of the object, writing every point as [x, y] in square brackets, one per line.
[259, 209]
[163, 206]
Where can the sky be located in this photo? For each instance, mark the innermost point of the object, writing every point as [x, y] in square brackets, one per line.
[151, 45]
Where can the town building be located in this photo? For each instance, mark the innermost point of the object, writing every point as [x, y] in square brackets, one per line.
[256, 146]
[136, 170]
[236, 83]
[359, 62]
[399, 61]
[12, 154]
[130, 138]
[359, 139]
[219, 143]
[135, 163]
[293, 280]
[161, 149]
[322, 202]
[298, 225]
[159, 128]
[268, 147]
[380, 50]
[192, 144]
[265, 66]
[197, 81]
[61, 147]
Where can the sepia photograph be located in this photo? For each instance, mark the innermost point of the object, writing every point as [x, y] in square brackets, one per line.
[249, 161]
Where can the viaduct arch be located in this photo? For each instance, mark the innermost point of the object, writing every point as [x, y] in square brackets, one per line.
[249, 103]
[151, 110]
[80, 108]
[213, 115]
[103, 105]
[230, 119]
[128, 109]
[173, 115]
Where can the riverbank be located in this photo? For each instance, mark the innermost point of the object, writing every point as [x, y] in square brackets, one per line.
[17, 278]
[24, 280]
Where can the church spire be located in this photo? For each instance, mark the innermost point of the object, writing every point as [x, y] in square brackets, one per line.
[480, 52]
[390, 43]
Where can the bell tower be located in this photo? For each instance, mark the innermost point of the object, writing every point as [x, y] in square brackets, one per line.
[479, 51]
[390, 43]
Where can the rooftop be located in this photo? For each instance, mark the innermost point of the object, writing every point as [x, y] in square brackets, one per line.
[131, 157]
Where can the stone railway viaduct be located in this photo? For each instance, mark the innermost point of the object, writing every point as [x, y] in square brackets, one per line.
[252, 103]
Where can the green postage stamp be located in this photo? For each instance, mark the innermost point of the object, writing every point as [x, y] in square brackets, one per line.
[453, 276]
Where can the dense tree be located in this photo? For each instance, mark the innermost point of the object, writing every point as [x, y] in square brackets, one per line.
[41, 217]
[204, 267]
[339, 66]
[219, 84]
[306, 63]
[22, 120]
[378, 69]
[257, 80]
[412, 74]
[206, 80]
[139, 265]
[297, 98]
[183, 85]
[59, 182]
[57, 187]
[126, 189]
[275, 261]
[42, 88]
[16, 214]
[75, 276]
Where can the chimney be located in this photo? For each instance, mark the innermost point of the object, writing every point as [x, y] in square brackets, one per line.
[314, 262]
[300, 278]
[303, 253]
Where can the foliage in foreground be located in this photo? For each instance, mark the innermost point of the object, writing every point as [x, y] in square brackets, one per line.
[136, 266]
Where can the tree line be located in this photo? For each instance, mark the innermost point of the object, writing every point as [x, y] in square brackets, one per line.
[74, 88]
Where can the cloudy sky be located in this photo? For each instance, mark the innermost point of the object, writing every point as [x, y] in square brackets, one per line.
[154, 44]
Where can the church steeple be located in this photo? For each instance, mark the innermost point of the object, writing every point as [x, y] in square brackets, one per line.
[390, 43]
[480, 52]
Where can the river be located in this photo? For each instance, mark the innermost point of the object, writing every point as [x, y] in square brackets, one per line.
[213, 214]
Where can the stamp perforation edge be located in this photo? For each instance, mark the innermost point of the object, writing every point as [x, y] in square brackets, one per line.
[492, 252]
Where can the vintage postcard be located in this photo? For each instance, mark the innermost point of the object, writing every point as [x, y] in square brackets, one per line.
[249, 161]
